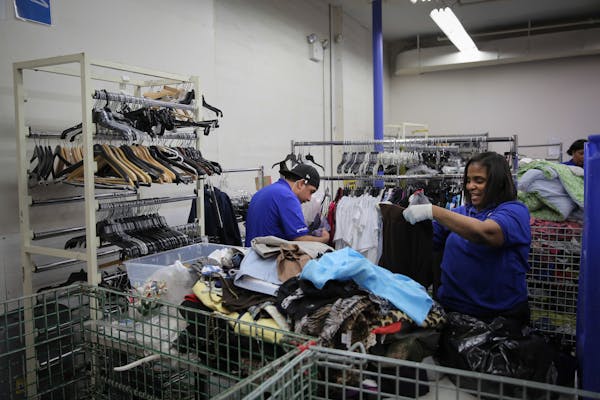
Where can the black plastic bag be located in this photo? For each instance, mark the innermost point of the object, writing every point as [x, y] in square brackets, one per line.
[497, 348]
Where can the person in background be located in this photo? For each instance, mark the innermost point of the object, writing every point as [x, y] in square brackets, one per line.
[485, 244]
[576, 153]
[275, 210]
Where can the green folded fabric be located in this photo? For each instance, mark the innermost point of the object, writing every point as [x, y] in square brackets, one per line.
[572, 183]
[540, 207]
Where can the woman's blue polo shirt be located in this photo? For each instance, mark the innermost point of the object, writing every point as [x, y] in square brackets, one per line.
[479, 279]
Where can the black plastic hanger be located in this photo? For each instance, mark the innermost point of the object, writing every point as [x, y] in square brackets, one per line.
[309, 157]
[211, 108]
[290, 157]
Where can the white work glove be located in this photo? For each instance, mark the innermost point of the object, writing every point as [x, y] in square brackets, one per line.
[418, 213]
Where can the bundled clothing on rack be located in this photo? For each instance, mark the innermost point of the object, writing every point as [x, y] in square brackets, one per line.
[551, 191]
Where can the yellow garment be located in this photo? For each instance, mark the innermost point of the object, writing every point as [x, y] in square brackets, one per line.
[210, 298]
[261, 329]
[264, 332]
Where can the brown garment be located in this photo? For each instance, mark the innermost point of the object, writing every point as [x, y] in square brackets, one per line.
[290, 261]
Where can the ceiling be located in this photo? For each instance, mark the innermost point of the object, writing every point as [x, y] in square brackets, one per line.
[403, 20]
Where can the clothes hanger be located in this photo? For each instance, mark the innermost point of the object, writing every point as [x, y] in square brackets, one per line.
[211, 108]
[282, 164]
[309, 157]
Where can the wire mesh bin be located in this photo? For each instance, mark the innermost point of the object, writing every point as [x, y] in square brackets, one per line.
[117, 346]
[53, 366]
[553, 278]
[322, 373]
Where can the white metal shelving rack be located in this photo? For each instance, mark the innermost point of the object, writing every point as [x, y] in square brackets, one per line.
[90, 73]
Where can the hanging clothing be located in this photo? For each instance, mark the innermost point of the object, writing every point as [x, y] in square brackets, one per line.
[407, 249]
[358, 226]
[219, 217]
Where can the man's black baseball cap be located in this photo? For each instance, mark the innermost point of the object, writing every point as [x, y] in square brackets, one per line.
[302, 171]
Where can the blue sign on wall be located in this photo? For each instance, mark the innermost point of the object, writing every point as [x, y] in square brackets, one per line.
[34, 10]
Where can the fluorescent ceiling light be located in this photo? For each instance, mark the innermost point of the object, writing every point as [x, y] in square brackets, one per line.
[451, 26]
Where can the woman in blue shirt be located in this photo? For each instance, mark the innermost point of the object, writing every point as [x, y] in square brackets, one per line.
[576, 153]
[485, 243]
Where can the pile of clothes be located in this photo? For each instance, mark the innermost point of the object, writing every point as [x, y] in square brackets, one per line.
[551, 191]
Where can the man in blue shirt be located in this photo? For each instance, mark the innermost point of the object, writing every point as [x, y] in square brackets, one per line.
[276, 210]
[576, 153]
[486, 244]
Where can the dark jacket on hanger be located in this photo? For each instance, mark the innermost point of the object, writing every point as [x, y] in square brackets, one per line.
[218, 204]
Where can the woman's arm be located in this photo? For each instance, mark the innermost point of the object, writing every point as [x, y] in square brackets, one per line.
[482, 232]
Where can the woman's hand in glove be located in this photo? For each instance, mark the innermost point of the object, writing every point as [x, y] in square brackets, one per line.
[418, 213]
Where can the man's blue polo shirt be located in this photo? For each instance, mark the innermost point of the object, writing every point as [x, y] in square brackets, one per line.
[275, 211]
[481, 280]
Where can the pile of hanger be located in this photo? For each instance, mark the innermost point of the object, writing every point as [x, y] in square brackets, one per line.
[125, 165]
[126, 121]
[359, 163]
[136, 236]
[133, 123]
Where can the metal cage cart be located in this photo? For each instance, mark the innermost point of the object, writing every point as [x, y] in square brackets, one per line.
[553, 277]
[92, 342]
[322, 373]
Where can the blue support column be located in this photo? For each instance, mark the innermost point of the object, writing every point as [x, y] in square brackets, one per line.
[588, 303]
[377, 74]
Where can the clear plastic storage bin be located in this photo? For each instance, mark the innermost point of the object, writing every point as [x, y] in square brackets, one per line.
[140, 269]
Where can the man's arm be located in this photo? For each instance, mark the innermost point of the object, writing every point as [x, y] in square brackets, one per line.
[324, 238]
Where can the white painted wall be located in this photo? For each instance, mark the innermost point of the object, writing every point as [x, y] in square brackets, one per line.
[538, 100]
[252, 59]
[133, 32]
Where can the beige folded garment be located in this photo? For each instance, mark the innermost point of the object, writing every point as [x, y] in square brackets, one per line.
[269, 246]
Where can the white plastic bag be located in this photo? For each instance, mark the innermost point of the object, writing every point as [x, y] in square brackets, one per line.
[170, 283]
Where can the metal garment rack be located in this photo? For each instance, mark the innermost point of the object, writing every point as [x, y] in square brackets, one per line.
[431, 143]
[559, 145]
[260, 170]
[91, 74]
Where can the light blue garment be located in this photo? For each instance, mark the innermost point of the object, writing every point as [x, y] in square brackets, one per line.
[258, 274]
[348, 264]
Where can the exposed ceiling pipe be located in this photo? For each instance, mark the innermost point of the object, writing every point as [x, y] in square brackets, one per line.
[473, 2]
[529, 29]
[500, 51]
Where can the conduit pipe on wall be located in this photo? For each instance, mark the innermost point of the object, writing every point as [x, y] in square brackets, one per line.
[377, 74]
